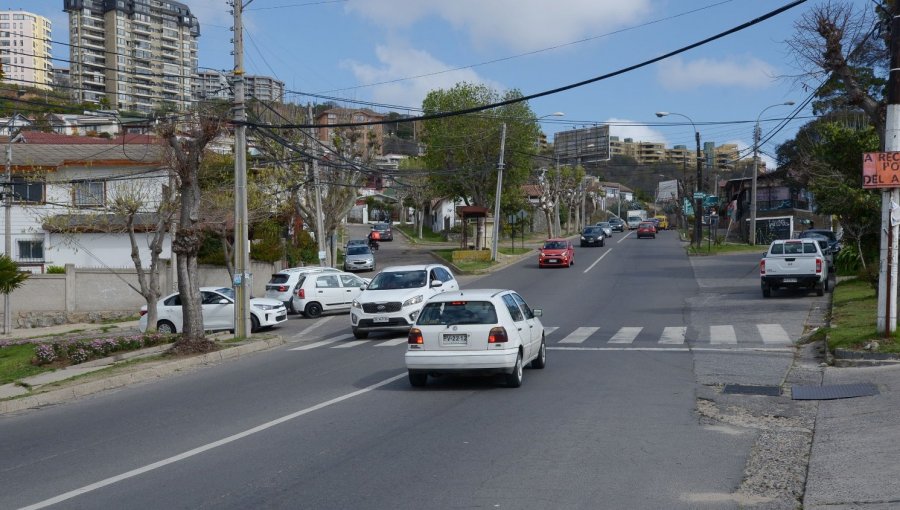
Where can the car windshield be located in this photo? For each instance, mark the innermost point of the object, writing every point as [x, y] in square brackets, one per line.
[226, 291]
[357, 242]
[358, 250]
[390, 280]
[813, 234]
[592, 230]
[555, 245]
[381, 226]
[603, 225]
[458, 312]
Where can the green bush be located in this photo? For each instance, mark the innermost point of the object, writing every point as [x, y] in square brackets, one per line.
[56, 270]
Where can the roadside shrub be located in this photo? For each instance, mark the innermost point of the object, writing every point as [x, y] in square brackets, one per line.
[56, 270]
[78, 351]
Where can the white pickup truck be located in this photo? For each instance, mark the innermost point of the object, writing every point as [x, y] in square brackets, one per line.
[794, 263]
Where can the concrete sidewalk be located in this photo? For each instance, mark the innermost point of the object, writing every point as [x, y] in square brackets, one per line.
[855, 457]
[75, 329]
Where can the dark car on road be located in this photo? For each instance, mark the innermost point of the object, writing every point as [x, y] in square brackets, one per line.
[617, 224]
[592, 236]
[834, 244]
[384, 230]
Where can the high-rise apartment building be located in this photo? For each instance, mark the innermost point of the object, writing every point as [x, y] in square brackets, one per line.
[218, 85]
[25, 49]
[137, 55]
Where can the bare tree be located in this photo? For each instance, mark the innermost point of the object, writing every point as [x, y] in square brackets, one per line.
[185, 152]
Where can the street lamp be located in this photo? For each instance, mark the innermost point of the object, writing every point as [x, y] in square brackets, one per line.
[698, 202]
[756, 136]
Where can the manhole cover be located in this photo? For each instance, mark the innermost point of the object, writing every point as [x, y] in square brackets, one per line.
[832, 392]
[743, 389]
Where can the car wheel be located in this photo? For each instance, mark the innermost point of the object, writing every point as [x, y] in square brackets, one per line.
[290, 306]
[417, 379]
[514, 380]
[767, 292]
[541, 360]
[165, 328]
[313, 310]
[360, 335]
[602, 242]
[820, 289]
[254, 324]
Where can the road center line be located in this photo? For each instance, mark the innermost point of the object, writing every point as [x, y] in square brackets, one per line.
[200, 449]
[625, 236]
[596, 261]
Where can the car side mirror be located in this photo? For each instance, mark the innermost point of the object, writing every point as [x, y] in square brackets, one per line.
[223, 301]
[538, 312]
[436, 283]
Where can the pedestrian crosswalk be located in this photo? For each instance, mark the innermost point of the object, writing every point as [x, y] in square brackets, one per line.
[673, 337]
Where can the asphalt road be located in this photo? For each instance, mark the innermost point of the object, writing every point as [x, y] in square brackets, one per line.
[633, 330]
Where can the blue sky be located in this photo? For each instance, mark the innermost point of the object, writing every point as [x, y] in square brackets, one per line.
[395, 51]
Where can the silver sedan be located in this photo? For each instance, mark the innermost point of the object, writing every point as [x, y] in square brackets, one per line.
[359, 258]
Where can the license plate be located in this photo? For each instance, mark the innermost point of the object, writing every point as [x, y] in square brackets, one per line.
[790, 280]
[553, 261]
[380, 319]
[455, 339]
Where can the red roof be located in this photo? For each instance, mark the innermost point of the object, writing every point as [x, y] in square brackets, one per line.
[42, 138]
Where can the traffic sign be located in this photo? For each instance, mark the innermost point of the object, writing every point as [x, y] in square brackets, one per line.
[699, 195]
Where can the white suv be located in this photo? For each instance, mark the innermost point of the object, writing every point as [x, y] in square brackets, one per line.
[326, 291]
[393, 299]
[283, 284]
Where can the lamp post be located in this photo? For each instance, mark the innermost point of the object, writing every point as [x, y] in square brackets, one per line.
[756, 137]
[698, 201]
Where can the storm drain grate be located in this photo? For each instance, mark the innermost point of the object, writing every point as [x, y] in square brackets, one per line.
[833, 392]
[743, 389]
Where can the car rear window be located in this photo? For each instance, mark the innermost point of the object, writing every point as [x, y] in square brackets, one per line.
[279, 278]
[458, 312]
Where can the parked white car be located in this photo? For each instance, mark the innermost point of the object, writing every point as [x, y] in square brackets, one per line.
[395, 296]
[324, 292]
[476, 331]
[283, 284]
[217, 304]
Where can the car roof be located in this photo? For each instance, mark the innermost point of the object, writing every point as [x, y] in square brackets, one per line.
[555, 239]
[820, 231]
[415, 267]
[307, 269]
[468, 294]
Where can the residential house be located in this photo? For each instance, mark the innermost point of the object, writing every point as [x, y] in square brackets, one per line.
[10, 125]
[373, 134]
[60, 212]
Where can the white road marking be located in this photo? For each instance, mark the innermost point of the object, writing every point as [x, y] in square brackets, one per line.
[578, 336]
[550, 329]
[209, 446]
[673, 335]
[722, 335]
[389, 343]
[321, 343]
[596, 261]
[786, 350]
[625, 236]
[347, 345]
[773, 334]
[312, 328]
[625, 335]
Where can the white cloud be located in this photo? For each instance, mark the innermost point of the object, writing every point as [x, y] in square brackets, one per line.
[624, 128]
[734, 71]
[517, 24]
[399, 60]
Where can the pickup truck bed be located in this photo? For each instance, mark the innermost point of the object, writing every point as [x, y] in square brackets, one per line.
[794, 263]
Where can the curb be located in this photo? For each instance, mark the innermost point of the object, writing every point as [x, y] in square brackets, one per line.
[66, 394]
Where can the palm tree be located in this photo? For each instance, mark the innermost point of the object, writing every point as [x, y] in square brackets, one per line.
[10, 276]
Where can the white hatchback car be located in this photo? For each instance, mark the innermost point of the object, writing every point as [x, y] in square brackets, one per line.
[283, 284]
[395, 296]
[476, 331]
[323, 292]
[217, 304]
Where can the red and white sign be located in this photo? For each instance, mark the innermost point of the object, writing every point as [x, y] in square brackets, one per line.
[881, 170]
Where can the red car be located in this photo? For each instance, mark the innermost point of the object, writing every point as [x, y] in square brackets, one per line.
[556, 252]
[646, 229]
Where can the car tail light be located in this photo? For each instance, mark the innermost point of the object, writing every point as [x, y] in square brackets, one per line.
[415, 337]
[497, 335]
[762, 266]
[818, 265]
[301, 293]
[282, 288]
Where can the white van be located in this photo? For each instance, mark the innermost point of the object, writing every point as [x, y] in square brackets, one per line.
[283, 284]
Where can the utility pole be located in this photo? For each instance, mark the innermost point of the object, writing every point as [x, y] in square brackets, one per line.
[7, 228]
[698, 207]
[886, 322]
[320, 227]
[241, 230]
[497, 195]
